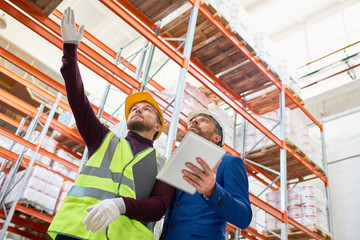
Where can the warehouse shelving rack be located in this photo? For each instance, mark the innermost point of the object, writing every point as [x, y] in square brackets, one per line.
[146, 27]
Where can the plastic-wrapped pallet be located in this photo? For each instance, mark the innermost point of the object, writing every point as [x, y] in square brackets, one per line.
[315, 153]
[265, 49]
[272, 198]
[295, 131]
[41, 190]
[48, 143]
[288, 76]
[239, 20]
[306, 205]
[314, 208]
[68, 157]
[66, 118]
[58, 167]
[193, 98]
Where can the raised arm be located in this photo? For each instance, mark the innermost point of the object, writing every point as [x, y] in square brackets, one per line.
[89, 126]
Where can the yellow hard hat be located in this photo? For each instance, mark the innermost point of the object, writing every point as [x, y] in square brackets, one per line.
[135, 98]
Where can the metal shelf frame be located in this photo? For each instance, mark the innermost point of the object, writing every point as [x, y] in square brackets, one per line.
[116, 8]
[144, 26]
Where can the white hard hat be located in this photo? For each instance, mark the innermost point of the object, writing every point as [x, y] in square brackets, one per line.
[216, 119]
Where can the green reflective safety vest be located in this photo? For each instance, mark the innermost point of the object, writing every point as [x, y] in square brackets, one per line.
[107, 174]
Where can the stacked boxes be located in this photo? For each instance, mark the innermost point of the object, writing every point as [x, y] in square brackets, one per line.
[239, 20]
[41, 191]
[306, 205]
[265, 49]
[66, 118]
[288, 77]
[193, 98]
[296, 132]
[48, 143]
[58, 167]
[315, 152]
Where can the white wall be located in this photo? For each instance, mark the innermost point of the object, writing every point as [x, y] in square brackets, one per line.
[343, 154]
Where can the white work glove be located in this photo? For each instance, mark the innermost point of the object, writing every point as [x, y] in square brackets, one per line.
[68, 29]
[102, 214]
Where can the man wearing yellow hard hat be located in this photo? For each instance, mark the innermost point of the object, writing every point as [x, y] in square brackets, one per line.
[103, 202]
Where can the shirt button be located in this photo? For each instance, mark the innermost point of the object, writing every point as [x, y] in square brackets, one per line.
[177, 204]
[171, 225]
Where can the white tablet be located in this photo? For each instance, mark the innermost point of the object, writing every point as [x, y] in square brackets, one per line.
[191, 147]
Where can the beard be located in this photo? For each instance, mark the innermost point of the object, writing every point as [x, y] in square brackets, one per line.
[138, 126]
[201, 133]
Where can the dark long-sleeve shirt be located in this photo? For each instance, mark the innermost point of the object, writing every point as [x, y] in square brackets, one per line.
[93, 132]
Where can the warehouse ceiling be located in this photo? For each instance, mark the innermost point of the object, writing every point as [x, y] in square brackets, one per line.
[277, 18]
[281, 18]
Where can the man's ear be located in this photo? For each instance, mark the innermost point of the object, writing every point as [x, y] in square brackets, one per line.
[216, 138]
[157, 127]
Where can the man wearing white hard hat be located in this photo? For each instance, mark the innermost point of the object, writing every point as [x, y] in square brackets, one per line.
[222, 193]
[103, 202]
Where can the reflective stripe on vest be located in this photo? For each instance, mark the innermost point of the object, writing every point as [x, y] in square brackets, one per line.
[101, 178]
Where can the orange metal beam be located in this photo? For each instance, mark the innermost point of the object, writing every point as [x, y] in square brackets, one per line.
[38, 15]
[139, 15]
[33, 87]
[266, 207]
[253, 232]
[232, 228]
[247, 236]
[24, 233]
[117, 9]
[281, 216]
[306, 164]
[148, 34]
[253, 166]
[68, 151]
[42, 151]
[31, 111]
[12, 157]
[17, 124]
[11, 121]
[44, 78]
[85, 48]
[254, 175]
[32, 212]
[58, 43]
[249, 55]
[26, 223]
[226, 96]
[109, 51]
